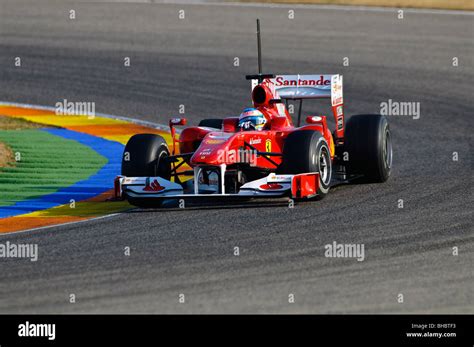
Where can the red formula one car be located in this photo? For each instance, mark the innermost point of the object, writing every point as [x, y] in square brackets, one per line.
[261, 153]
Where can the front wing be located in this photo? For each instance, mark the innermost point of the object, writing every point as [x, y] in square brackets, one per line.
[148, 189]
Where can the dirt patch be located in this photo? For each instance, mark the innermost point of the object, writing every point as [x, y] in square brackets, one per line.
[6, 156]
[14, 123]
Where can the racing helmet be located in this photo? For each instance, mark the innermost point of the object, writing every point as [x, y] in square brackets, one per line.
[252, 119]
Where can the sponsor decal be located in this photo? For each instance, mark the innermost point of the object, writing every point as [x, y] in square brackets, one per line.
[279, 178]
[153, 186]
[300, 86]
[340, 117]
[214, 141]
[336, 90]
[255, 141]
[205, 152]
[340, 122]
[292, 80]
[268, 145]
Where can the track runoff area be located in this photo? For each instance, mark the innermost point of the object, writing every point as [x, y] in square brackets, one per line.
[61, 166]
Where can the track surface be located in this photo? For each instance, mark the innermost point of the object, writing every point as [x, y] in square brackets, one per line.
[190, 251]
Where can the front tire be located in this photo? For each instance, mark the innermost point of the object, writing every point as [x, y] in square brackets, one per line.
[144, 156]
[368, 143]
[308, 151]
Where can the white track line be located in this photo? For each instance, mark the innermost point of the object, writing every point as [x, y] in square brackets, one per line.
[49, 108]
[105, 115]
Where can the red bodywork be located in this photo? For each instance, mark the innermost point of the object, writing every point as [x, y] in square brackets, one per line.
[211, 147]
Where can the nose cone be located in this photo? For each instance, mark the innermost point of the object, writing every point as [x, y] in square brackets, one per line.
[213, 148]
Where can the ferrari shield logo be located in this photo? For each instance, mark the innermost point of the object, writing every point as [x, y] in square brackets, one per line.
[268, 145]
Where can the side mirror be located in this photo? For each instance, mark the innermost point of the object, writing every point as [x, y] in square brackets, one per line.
[178, 121]
[320, 120]
[174, 122]
[314, 119]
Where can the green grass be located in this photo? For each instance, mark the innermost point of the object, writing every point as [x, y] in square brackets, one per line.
[48, 163]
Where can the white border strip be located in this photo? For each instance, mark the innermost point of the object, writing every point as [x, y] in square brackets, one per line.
[104, 115]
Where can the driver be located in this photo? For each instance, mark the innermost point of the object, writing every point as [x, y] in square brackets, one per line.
[251, 119]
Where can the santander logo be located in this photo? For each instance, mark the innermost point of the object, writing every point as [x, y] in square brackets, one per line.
[153, 187]
[280, 81]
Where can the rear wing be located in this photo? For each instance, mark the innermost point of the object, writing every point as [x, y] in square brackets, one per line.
[299, 87]
[306, 87]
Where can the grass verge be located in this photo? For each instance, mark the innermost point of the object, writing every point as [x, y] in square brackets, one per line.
[47, 163]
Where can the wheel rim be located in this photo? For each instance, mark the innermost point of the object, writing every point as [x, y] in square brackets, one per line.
[387, 150]
[324, 166]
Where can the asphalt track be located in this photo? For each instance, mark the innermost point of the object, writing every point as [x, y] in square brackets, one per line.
[190, 251]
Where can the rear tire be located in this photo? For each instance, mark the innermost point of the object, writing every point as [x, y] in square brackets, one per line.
[308, 151]
[143, 157]
[369, 145]
[211, 123]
